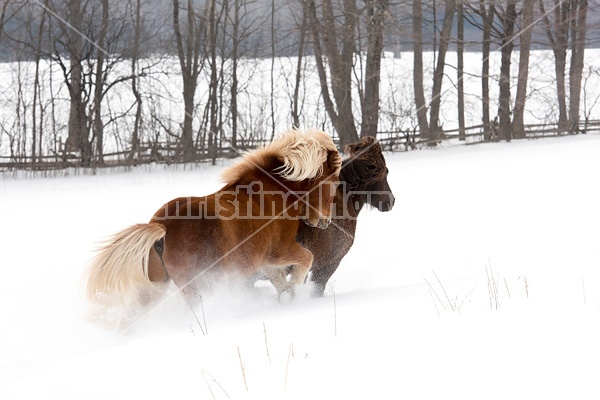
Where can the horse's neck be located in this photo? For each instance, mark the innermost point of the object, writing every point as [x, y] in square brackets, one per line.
[353, 203]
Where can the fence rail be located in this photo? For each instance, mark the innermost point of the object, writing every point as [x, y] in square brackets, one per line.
[168, 153]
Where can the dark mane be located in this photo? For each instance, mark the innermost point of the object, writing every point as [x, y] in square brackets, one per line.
[365, 164]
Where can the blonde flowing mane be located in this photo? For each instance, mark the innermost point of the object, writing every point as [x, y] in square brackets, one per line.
[302, 153]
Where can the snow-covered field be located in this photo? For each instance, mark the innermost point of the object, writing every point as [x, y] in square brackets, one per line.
[482, 283]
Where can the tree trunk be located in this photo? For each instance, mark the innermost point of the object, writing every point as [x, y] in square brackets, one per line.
[214, 82]
[560, 68]
[189, 60]
[98, 127]
[488, 18]
[508, 25]
[419, 92]
[376, 11]
[460, 69]
[37, 135]
[135, 54]
[438, 74]
[272, 99]
[557, 34]
[295, 97]
[78, 130]
[578, 33]
[518, 128]
[234, 73]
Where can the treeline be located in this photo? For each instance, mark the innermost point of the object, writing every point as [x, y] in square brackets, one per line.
[83, 78]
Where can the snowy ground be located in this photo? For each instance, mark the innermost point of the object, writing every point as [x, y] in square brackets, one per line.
[483, 282]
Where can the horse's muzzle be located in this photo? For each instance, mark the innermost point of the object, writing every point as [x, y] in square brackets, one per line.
[387, 204]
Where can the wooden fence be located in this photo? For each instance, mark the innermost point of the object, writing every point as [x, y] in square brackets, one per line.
[167, 153]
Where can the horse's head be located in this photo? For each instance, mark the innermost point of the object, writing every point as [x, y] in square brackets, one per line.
[365, 172]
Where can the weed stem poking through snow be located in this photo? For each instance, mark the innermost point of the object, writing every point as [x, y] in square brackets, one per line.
[287, 367]
[196, 316]
[242, 367]
[266, 343]
[334, 316]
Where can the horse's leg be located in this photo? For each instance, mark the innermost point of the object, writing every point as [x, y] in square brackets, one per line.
[320, 275]
[299, 268]
[296, 262]
[278, 277]
[182, 268]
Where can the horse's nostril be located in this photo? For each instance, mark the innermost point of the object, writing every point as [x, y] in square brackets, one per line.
[387, 206]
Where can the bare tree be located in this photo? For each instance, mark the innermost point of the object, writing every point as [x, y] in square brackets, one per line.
[438, 75]
[295, 108]
[508, 18]
[419, 91]
[190, 38]
[135, 55]
[557, 31]
[375, 17]
[334, 43]
[213, 101]
[496, 23]
[460, 47]
[78, 128]
[242, 25]
[273, 55]
[565, 24]
[100, 81]
[430, 130]
[518, 127]
[487, 15]
[578, 34]
[334, 28]
[235, 56]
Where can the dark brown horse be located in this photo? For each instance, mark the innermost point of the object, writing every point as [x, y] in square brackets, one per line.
[249, 224]
[363, 181]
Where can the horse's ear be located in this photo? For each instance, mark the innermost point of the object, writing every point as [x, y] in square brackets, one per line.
[367, 140]
[351, 148]
[354, 148]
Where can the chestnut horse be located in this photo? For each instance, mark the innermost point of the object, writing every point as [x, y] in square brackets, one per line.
[249, 224]
[363, 180]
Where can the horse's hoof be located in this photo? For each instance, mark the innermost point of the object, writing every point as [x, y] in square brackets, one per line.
[287, 295]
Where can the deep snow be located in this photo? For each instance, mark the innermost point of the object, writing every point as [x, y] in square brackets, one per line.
[511, 231]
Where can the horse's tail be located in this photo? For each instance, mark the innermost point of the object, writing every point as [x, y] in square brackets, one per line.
[119, 272]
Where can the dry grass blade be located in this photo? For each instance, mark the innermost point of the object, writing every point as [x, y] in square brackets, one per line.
[266, 343]
[242, 367]
[204, 373]
[287, 367]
